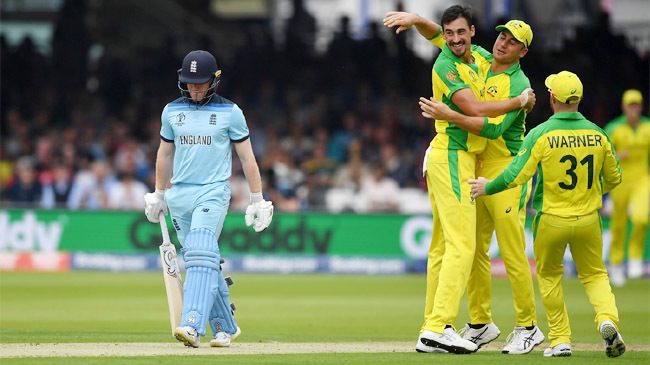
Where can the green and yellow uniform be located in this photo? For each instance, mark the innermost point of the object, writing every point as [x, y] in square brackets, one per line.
[634, 190]
[505, 212]
[449, 162]
[576, 164]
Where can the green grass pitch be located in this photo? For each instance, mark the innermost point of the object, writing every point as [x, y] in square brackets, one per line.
[79, 307]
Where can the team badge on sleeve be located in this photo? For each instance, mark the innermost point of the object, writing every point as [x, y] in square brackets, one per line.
[451, 76]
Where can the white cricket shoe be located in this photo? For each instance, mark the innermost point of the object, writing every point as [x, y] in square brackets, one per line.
[188, 336]
[223, 339]
[614, 345]
[634, 269]
[480, 336]
[617, 275]
[522, 341]
[447, 341]
[563, 349]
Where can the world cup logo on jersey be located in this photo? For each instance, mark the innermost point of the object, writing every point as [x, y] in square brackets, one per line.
[180, 119]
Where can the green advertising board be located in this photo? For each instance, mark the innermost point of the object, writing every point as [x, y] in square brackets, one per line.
[390, 235]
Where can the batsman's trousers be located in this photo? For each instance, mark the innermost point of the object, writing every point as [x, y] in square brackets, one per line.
[504, 212]
[584, 236]
[634, 191]
[454, 234]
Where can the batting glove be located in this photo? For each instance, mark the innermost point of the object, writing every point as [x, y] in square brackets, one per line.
[154, 203]
[259, 213]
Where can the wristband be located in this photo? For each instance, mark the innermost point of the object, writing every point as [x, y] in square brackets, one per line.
[160, 193]
[523, 100]
[524, 94]
[256, 197]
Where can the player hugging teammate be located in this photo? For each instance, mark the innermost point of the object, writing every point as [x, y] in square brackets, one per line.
[487, 139]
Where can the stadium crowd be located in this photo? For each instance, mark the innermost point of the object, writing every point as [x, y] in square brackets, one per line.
[339, 130]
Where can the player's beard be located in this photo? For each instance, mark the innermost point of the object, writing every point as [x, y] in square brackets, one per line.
[460, 51]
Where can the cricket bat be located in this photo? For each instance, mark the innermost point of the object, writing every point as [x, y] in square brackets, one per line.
[172, 276]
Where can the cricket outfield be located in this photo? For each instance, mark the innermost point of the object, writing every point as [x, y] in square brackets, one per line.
[109, 317]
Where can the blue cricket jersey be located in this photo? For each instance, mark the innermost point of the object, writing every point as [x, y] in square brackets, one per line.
[203, 138]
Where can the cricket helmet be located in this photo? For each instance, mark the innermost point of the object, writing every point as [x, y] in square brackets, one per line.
[199, 67]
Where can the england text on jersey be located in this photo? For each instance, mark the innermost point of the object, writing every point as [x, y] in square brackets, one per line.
[196, 140]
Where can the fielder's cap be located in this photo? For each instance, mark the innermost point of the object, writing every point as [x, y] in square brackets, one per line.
[198, 68]
[565, 86]
[632, 96]
[520, 30]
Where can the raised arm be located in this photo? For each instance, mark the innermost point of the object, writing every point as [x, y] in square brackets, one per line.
[403, 20]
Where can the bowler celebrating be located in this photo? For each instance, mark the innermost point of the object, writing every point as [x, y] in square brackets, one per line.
[197, 135]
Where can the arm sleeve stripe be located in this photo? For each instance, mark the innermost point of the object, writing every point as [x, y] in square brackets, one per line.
[437, 34]
[240, 140]
[167, 140]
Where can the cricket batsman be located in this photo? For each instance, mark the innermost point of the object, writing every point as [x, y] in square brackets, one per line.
[630, 134]
[197, 134]
[576, 164]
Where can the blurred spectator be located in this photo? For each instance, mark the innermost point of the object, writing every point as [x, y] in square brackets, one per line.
[319, 170]
[90, 188]
[56, 190]
[25, 190]
[379, 192]
[127, 193]
[350, 175]
[337, 147]
[130, 157]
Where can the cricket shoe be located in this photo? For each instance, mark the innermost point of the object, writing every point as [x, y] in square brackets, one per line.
[563, 349]
[223, 339]
[447, 341]
[634, 269]
[188, 336]
[482, 335]
[522, 340]
[617, 275]
[614, 345]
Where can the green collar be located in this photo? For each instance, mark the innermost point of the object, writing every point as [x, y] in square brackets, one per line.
[568, 115]
[511, 70]
[448, 53]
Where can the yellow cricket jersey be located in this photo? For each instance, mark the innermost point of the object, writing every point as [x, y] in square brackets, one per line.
[576, 163]
[449, 75]
[505, 132]
[635, 140]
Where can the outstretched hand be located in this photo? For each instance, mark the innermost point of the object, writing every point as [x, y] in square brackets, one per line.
[478, 186]
[403, 19]
[434, 109]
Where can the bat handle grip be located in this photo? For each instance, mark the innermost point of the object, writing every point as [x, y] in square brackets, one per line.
[163, 228]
